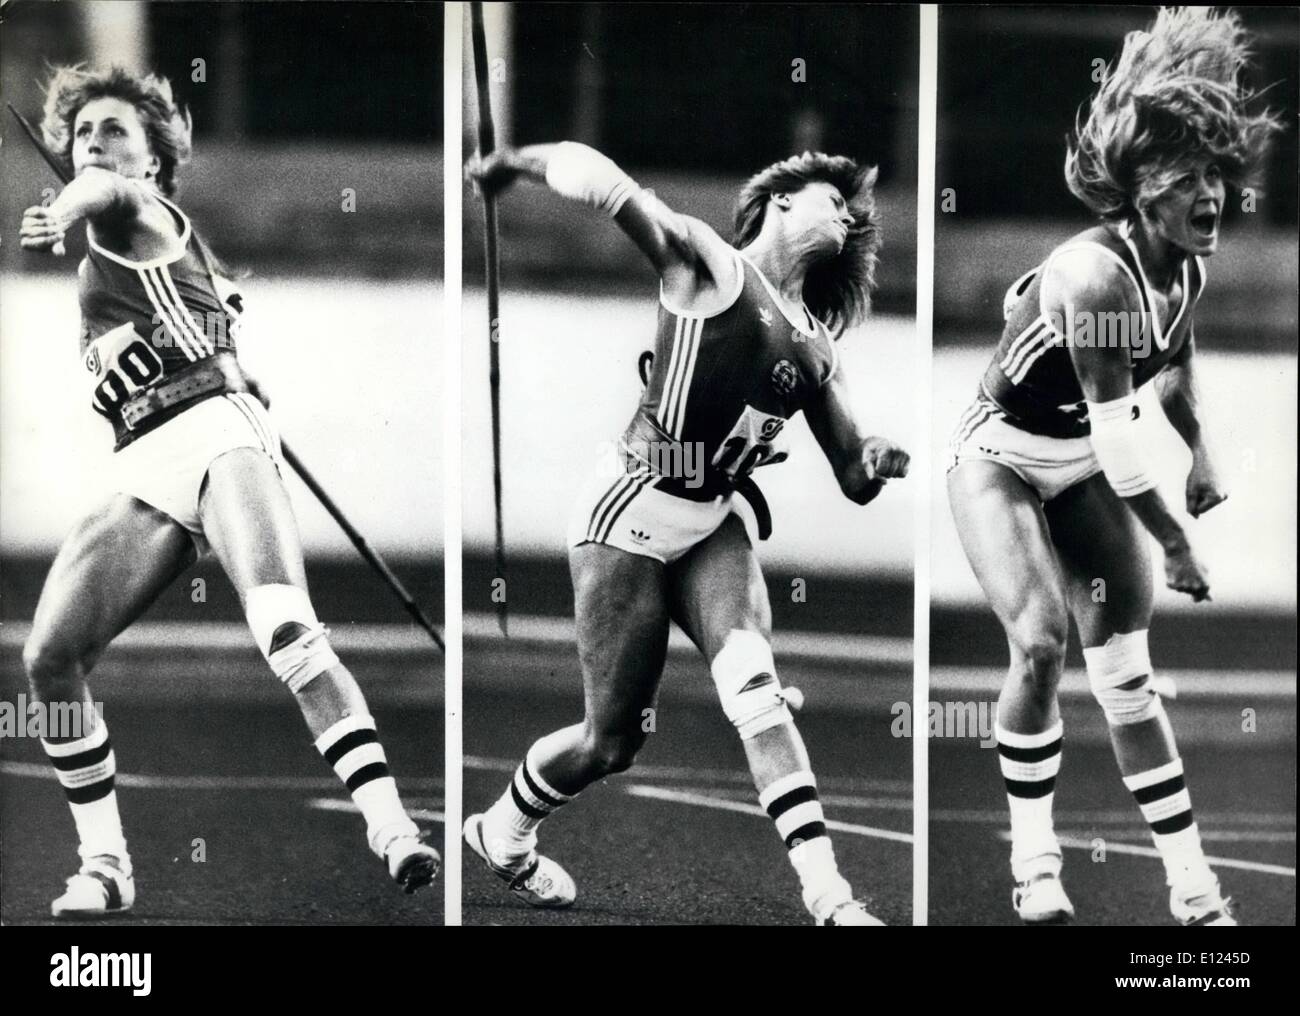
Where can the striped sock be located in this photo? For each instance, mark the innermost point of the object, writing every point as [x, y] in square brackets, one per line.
[352, 747]
[87, 770]
[793, 804]
[510, 825]
[1162, 795]
[1029, 764]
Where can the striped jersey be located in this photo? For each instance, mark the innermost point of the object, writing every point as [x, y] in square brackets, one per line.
[723, 386]
[1032, 378]
[143, 321]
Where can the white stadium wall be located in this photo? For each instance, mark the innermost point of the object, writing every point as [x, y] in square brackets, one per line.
[354, 379]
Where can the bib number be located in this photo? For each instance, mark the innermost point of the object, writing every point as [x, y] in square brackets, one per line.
[753, 442]
[123, 363]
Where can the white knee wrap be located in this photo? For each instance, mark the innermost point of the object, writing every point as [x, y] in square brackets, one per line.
[745, 675]
[1122, 659]
[268, 608]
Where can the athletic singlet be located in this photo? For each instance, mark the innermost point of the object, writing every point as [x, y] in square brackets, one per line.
[144, 321]
[1031, 377]
[722, 388]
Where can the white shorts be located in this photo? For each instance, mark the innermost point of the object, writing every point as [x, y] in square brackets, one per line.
[1051, 465]
[630, 514]
[166, 467]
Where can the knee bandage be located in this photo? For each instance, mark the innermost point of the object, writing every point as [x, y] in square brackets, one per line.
[293, 642]
[745, 675]
[1120, 662]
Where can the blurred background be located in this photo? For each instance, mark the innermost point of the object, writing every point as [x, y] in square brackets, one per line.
[1010, 81]
[316, 176]
[690, 100]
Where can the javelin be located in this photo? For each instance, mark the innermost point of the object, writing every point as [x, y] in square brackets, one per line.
[486, 144]
[358, 541]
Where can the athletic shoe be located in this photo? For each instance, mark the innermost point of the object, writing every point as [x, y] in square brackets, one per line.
[412, 863]
[1042, 900]
[852, 914]
[1205, 908]
[103, 887]
[535, 879]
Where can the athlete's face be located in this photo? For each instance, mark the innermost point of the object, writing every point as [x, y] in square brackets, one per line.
[1188, 213]
[817, 215]
[107, 133]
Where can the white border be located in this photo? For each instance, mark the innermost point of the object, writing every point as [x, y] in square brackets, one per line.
[927, 86]
[453, 41]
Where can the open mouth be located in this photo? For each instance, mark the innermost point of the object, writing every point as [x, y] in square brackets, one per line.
[1205, 224]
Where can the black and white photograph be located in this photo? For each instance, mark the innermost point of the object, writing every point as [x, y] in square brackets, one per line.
[645, 464]
[689, 237]
[220, 464]
[1115, 425]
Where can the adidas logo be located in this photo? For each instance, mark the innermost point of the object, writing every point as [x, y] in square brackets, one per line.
[639, 536]
[765, 316]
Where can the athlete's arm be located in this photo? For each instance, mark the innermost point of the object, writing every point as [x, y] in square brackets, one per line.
[689, 256]
[121, 210]
[862, 464]
[1082, 282]
[1180, 399]
[94, 194]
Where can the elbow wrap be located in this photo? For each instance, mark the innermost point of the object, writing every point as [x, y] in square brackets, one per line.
[1116, 439]
[583, 174]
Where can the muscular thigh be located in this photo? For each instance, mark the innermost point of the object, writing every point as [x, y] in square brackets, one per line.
[1004, 533]
[106, 574]
[718, 587]
[249, 521]
[1105, 559]
[621, 616]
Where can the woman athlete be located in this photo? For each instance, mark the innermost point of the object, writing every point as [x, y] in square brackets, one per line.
[196, 464]
[744, 342]
[1050, 482]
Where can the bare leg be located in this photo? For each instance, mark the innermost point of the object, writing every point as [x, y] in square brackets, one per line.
[106, 574]
[1003, 530]
[249, 522]
[622, 630]
[1004, 533]
[1104, 554]
[720, 600]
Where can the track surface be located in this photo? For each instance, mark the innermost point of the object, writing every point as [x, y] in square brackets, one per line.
[1243, 797]
[661, 843]
[282, 843]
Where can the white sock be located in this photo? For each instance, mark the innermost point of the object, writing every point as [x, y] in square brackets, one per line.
[1029, 764]
[510, 825]
[352, 747]
[1162, 795]
[87, 769]
[793, 805]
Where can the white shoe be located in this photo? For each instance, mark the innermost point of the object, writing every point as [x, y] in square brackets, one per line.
[412, 863]
[1042, 900]
[103, 887]
[852, 913]
[1205, 907]
[535, 879]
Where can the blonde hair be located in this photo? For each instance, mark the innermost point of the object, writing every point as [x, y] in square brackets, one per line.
[838, 289]
[167, 127]
[1173, 94]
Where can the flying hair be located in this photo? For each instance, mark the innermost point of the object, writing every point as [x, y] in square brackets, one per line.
[838, 289]
[1175, 93]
